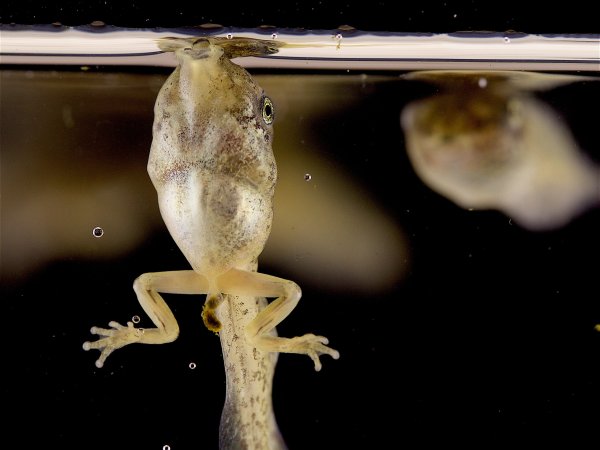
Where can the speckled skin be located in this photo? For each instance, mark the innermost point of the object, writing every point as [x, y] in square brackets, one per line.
[210, 138]
[213, 168]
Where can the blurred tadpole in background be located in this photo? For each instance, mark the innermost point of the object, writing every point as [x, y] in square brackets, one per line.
[485, 142]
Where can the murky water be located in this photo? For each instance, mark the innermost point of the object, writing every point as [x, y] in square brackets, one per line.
[460, 286]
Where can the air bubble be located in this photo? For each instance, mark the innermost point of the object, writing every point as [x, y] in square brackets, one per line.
[229, 36]
[97, 232]
[135, 319]
[192, 365]
[307, 177]
[166, 447]
[506, 40]
[338, 36]
[274, 36]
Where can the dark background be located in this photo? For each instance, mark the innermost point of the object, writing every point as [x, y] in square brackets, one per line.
[418, 16]
[488, 343]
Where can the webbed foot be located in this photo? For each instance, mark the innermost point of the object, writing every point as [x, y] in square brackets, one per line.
[311, 345]
[115, 337]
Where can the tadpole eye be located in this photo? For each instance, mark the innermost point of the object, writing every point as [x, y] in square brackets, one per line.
[268, 112]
